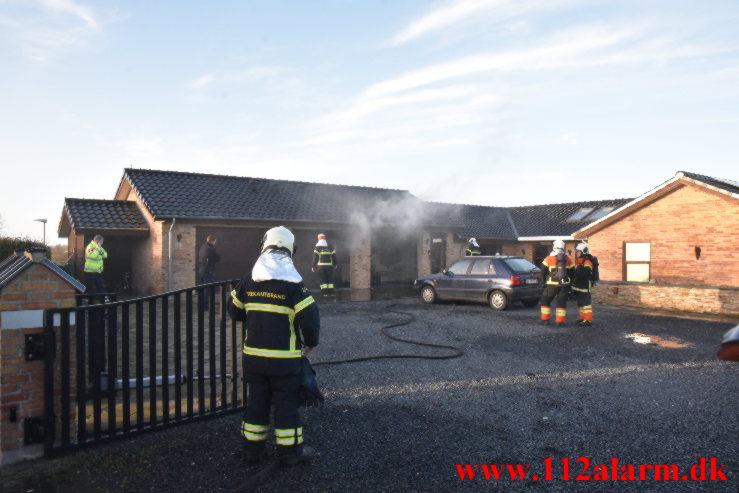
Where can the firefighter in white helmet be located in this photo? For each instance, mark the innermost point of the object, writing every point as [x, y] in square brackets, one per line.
[324, 260]
[558, 268]
[472, 248]
[582, 283]
[282, 323]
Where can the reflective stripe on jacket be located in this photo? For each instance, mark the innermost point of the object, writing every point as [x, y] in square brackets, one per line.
[280, 317]
[94, 256]
[583, 275]
[550, 266]
[324, 256]
[470, 252]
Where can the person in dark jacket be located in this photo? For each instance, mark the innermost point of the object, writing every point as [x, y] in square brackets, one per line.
[208, 256]
[282, 324]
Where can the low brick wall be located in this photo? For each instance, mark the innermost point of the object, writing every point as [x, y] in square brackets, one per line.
[707, 299]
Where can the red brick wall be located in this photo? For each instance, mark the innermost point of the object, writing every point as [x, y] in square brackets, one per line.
[675, 224]
[21, 381]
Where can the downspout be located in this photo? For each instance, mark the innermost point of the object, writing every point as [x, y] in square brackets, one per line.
[169, 266]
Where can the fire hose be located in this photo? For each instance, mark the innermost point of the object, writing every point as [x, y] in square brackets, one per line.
[274, 464]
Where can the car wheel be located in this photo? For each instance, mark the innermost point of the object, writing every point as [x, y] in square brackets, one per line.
[530, 303]
[428, 295]
[498, 300]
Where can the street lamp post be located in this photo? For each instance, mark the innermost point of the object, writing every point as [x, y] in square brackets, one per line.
[44, 222]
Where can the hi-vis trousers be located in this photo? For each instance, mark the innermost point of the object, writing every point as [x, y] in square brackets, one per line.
[552, 292]
[262, 391]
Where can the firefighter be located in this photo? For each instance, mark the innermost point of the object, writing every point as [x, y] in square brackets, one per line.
[94, 256]
[472, 248]
[582, 283]
[558, 268]
[282, 323]
[324, 259]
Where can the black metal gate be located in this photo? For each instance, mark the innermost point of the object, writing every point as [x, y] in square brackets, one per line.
[126, 367]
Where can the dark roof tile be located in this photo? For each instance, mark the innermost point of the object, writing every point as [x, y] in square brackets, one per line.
[99, 215]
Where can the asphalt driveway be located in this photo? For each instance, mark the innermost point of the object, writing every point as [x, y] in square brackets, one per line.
[638, 389]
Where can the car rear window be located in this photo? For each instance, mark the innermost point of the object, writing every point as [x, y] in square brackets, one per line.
[460, 267]
[519, 265]
[481, 267]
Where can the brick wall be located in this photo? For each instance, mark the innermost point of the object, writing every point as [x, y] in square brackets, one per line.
[698, 299]
[148, 262]
[184, 254]
[423, 252]
[360, 268]
[21, 381]
[688, 217]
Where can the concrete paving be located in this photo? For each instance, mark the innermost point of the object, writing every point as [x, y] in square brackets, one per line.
[644, 389]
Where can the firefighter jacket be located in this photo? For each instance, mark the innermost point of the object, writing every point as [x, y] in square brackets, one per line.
[550, 270]
[324, 256]
[582, 280]
[280, 317]
[94, 255]
[472, 251]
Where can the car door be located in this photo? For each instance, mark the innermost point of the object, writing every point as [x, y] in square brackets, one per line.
[479, 279]
[452, 284]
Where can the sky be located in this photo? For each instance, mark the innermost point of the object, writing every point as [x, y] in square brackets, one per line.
[491, 102]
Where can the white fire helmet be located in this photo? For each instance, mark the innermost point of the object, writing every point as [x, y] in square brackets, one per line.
[583, 248]
[321, 236]
[279, 237]
[558, 245]
[473, 241]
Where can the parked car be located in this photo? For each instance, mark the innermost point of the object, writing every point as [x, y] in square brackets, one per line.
[498, 280]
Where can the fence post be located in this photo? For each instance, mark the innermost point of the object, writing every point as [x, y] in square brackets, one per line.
[30, 284]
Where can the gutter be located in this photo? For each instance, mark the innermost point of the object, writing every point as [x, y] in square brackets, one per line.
[169, 255]
[545, 238]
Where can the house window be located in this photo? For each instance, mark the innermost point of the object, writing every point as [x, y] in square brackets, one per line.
[603, 211]
[581, 213]
[637, 257]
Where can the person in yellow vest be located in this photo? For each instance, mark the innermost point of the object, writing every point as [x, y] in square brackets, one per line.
[324, 259]
[94, 256]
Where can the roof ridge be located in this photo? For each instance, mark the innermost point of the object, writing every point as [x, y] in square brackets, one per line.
[192, 173]
[588, 202]
[97, 200]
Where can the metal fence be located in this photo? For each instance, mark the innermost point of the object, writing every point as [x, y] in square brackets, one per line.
[126, 367]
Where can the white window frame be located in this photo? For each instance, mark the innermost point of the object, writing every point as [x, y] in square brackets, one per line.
[637, 258]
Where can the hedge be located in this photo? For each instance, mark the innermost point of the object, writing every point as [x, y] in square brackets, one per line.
[9, 244]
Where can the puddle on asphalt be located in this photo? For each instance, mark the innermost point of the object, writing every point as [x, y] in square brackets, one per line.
[671, 342]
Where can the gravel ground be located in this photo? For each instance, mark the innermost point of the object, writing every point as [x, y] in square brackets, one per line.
[520, 393]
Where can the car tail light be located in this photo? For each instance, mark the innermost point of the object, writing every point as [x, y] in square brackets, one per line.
[515, 280]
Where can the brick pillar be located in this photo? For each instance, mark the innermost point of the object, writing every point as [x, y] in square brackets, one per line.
[22, 304]
[424, 254]
[360, 268]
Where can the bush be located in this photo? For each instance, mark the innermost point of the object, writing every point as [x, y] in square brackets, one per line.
[8, 245]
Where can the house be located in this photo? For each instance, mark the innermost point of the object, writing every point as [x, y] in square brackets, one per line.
[675, 247]
[158, 219]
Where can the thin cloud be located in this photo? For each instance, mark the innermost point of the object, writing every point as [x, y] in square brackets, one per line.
[69, 7]
[465, 10]
[45, 28]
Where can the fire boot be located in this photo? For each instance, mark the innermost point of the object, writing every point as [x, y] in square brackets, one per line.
[297, 455]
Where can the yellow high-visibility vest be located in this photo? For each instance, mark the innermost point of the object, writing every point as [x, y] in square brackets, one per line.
[94, 256]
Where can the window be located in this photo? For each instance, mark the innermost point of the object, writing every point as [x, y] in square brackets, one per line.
[580, 214]
[637, 257]
[460, 267]
[602, 212]
[481, 268]
[520, 265]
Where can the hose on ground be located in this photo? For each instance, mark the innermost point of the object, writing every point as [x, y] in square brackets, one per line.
[271, 467]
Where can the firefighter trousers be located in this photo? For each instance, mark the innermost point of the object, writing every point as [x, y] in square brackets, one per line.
[585, 304]
[558, 293]
[326, 273]
[284, 392]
